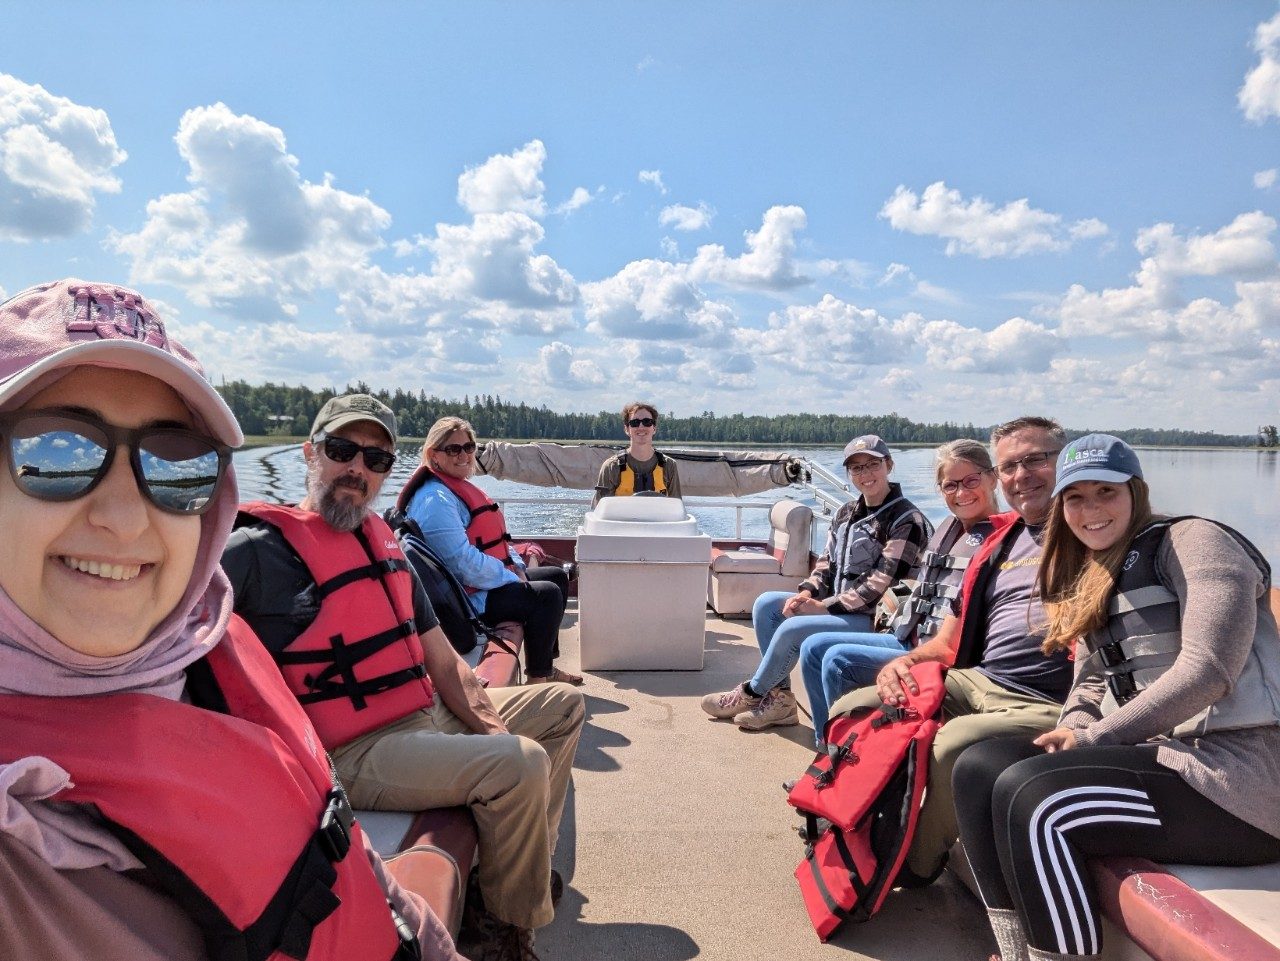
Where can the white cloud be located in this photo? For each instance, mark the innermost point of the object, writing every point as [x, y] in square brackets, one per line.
[646, 63]
[682, 217]
[252, 237]
[652, 299]
[1259, 96]
[1266, 179]
[654, 179]
[893, 272]
[558, 366]
[256, 239]
[56, 156]
[580, 198]
[769, 262]
[822, 340]
[1016, 345]
[980, 228]
[900, 380]
[1242, 250]
[506, 182]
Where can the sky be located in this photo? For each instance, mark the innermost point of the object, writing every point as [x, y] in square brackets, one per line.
[955, 212]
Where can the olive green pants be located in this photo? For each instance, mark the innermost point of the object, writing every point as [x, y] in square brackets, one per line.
[515, 785]
[974, 709]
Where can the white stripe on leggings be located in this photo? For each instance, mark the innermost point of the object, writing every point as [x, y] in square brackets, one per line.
[1048, 844]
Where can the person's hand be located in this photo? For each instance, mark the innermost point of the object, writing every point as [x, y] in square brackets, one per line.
[789, 605]
[1059, 739]
[806, 605]
[895, 680]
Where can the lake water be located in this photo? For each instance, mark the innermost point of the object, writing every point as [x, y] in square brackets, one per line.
[1238, 487]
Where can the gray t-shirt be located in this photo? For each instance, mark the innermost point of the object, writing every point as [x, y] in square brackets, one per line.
[1015, 625]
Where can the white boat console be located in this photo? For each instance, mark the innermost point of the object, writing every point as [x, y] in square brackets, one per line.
[642, 586]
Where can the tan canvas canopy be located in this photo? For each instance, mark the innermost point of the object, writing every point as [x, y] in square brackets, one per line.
[703, 473]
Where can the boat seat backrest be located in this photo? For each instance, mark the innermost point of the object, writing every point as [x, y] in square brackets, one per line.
[790, 523]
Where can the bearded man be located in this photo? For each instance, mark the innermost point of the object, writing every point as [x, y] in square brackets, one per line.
[328, 591]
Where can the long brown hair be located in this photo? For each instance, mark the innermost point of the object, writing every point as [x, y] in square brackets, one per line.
[1075, 582]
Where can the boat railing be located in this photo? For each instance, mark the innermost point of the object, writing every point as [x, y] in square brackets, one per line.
[828, 501]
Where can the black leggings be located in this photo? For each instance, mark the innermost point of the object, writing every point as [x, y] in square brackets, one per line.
[538, 604]
[1029, 819]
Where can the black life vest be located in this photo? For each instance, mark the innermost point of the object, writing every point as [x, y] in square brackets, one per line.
[486, 529]
[629, 482]
[359, 665]
[861, 800]
[227, 801]
[938, 579]
[857, 538]
[1142, 637]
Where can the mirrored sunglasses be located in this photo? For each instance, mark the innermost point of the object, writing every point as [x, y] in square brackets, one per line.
[343, 451]
[453, 450]
[61, 456]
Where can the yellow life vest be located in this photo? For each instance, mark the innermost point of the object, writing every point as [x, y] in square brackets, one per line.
[627, 477]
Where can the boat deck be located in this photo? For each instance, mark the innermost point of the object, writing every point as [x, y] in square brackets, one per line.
[678, 843]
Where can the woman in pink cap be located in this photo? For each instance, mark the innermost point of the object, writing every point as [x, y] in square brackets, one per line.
[162, 795]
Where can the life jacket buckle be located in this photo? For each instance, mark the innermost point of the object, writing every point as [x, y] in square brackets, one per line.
[335, 826]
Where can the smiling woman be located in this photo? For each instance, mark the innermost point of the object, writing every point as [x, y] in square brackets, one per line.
[116, 499]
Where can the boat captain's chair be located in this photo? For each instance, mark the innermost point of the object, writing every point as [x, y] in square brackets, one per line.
[738, 577]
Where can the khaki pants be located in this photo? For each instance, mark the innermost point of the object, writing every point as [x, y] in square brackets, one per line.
[514, 784]
[974, 709]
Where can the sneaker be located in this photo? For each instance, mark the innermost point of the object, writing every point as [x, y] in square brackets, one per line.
[729, 704]
[776, 709]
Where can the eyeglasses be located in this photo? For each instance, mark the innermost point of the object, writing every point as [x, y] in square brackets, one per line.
[61, 456]
[343, 451]
[1032, 462]
[858, 470]
[453, 450]
[968, 482]
[641, 422]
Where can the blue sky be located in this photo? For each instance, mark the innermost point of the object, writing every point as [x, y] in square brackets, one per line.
[955, 212]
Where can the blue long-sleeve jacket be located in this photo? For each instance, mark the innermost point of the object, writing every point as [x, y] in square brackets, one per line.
[443, 519]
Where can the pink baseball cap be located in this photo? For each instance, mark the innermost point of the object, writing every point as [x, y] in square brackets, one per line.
[70, 323]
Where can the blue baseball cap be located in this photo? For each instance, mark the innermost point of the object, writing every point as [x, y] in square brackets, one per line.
[1096, 457]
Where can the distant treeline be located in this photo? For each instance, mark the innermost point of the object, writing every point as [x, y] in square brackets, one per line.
[277, 409]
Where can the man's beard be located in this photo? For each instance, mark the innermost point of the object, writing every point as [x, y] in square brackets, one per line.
[340, 513]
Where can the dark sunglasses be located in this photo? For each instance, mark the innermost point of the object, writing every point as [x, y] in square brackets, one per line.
[60, 456]
[453, 450]
[343, 451]
[641, 422]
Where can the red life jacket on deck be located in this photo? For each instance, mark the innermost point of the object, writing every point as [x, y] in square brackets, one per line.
[359, 665]
[867, 790]
[227, 801]
[487, 528]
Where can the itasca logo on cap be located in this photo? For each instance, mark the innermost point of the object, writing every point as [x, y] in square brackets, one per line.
[115, 316]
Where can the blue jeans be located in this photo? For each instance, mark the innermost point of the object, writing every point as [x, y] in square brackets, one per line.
[780, 637]
[833, 664]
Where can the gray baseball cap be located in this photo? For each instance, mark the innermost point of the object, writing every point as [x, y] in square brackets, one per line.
[1096, 457]
[866, 444]
[350, 408]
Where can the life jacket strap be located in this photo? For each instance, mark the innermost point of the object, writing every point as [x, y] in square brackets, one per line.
[375, 571]
[342, 658]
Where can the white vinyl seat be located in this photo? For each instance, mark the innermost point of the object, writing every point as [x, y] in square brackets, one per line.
[738, 577]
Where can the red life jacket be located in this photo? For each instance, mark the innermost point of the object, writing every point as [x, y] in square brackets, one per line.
[227, 801]
[972, 638]
[487, 528]
[868, 788]
[359, 665]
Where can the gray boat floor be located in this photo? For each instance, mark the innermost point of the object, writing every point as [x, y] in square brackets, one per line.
[678, 843]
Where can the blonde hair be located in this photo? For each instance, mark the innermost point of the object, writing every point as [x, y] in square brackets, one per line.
[1074, 582]
[440, 432]
[966, 448]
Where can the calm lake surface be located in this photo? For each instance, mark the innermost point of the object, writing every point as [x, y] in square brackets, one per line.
[1238, 487]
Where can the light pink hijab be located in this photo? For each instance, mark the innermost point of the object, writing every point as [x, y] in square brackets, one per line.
[45, 333]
